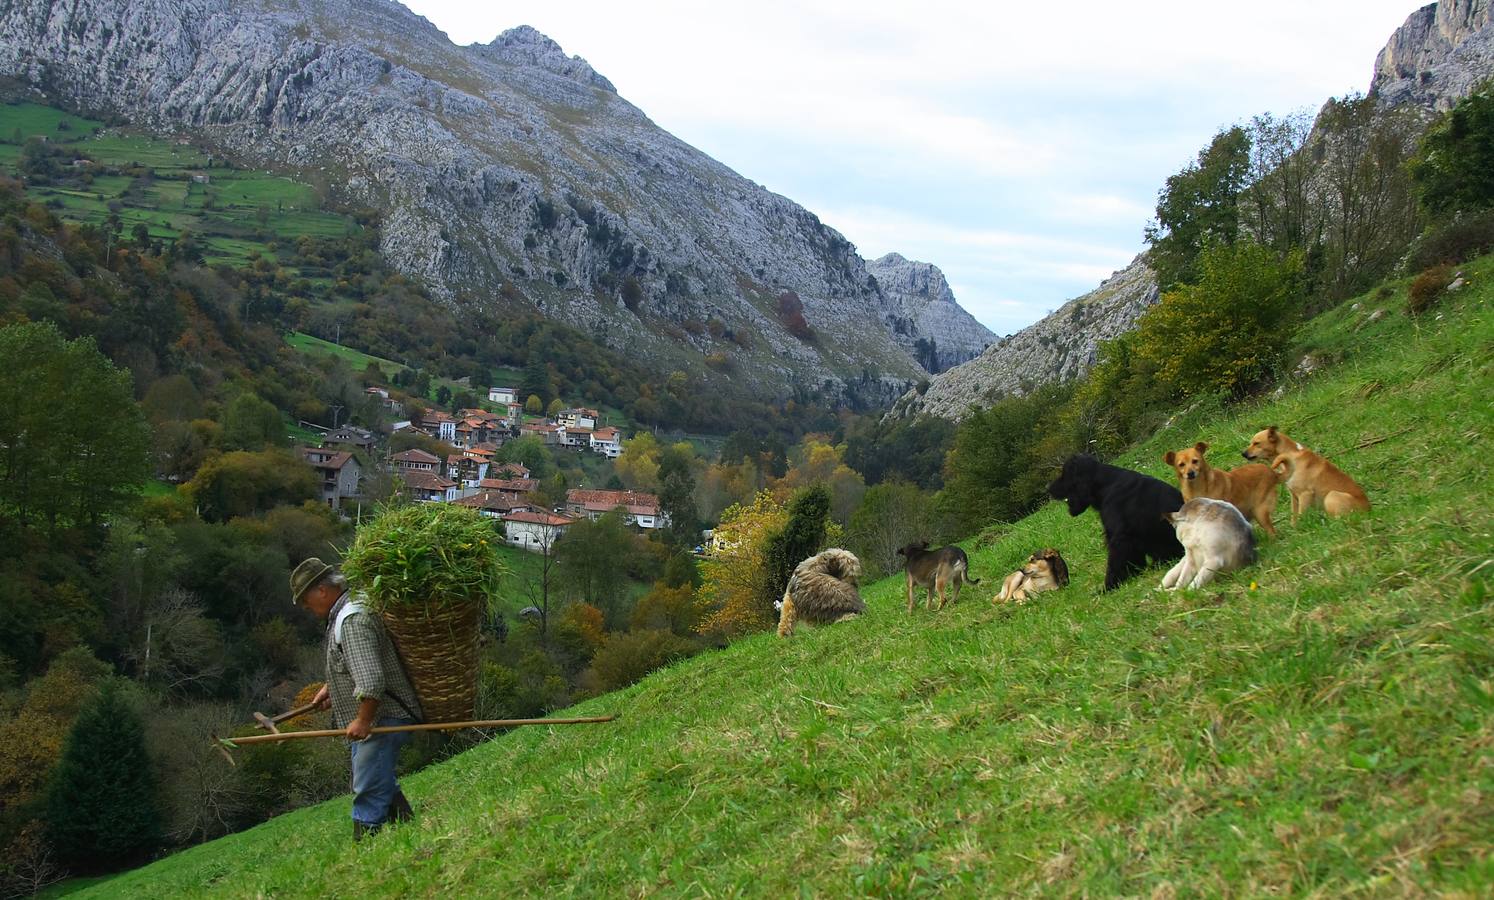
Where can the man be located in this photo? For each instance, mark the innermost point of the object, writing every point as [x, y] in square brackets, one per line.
[366, 685]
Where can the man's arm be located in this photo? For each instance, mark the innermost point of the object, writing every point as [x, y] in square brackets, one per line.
[368, 711]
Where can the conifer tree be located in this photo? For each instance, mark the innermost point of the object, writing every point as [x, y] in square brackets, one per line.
[100, 808]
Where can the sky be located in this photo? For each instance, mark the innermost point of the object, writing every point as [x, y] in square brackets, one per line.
[1019, 147]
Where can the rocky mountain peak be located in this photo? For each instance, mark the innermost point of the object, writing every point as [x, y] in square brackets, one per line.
[922, 308]
[1439, 55]
[527, 46]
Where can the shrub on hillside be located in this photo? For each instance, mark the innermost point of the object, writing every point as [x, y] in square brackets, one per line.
[628, 656]
[1453, 242]
[1229, 332]
[1427, 288]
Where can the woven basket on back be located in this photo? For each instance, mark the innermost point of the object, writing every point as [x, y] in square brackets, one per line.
[439, 650]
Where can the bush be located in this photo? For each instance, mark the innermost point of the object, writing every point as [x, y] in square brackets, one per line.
[629, 656]
[1427, 288]
[1229, 332]
[1453, 242]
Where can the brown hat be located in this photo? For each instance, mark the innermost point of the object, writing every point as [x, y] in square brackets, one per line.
[306, 576]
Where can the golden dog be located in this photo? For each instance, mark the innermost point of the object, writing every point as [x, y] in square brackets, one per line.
[1251, 488]
[1314, 481]
[1044, 570]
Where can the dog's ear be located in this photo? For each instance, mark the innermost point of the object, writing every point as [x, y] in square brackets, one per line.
[1201, 447]
[1170, 458]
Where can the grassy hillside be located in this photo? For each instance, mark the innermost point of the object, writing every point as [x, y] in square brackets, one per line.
[148, 181]
[1320, 723]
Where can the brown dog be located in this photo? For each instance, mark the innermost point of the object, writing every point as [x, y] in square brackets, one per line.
[1314, 481]
[1269, 444]
[935, 570]
[1251, 488]
[1044, 570]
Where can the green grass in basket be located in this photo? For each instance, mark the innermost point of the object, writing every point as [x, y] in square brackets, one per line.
[425, 556]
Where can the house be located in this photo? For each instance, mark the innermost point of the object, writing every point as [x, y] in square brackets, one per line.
[580, 417]
[416, 460]
[607, 441]
[516, 489]
[466, 470]
[547, 432]
[438, 425]
[505, 395]
[428, 487]
[638, 508]
[493, 504]
[509, 470]
[534, 530]
[351, 438]
[575, 436]
[201, 178]
[338, 471]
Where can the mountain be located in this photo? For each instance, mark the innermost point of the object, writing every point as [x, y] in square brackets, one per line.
[928, 319]
[1438, 56]
[1059, 347]
[507, 172]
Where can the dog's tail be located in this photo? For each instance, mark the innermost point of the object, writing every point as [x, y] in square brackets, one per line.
[1283, 465]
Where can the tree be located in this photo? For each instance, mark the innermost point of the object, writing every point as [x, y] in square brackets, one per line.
[673, 609]
[554, 408]
[591, 558]
[802, 536]
[638, 466]
[534, 405]
[100, 808]
[1277, 207]
[1228, 332]
[530, 452]
[736, 572]
[677, 496]
[891, 516]
[1454, 168]
[1198, 205]
[74, 445]
[250, 423]
[242, 483]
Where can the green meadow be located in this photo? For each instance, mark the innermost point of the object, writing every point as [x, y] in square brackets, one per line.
[1319, 724]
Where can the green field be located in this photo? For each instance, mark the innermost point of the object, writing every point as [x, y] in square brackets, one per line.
[150, 181]
[1321, 724]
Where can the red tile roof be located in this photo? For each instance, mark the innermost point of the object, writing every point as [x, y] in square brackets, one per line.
[426, 481]
[538, 518]
[513, 485]
[416, 455]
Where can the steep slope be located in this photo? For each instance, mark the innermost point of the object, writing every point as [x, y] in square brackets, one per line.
[1316, 725]
[1443, 51]
[926, 311]
[1058, 347]
[505, 171]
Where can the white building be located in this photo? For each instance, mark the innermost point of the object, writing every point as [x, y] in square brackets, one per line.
[504, 395]
[532, 530]
[607, 441]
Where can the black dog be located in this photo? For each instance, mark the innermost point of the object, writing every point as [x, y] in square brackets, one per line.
[1130, 505]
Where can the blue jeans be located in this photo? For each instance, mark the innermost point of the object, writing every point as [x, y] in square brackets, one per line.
[374, 784]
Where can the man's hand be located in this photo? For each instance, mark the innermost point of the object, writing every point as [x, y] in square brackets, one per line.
[359, 730]
[323, 699]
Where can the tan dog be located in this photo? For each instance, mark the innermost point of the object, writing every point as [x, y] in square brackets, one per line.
[1268, 444]
[936, 570]
[1251, 488]
[1314, 481]
[822, 590]
[1044, 570]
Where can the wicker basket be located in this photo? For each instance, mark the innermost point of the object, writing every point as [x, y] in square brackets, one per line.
[439, 650]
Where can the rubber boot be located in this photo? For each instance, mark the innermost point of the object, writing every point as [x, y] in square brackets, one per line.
[360, 830]
[399, 808]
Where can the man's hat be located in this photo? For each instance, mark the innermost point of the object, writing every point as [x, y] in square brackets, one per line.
[306, 576]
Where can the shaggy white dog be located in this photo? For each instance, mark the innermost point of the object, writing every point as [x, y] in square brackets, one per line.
[1215, 538]
[823, 589]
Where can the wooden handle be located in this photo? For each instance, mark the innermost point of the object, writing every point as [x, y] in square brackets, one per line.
[424, 726]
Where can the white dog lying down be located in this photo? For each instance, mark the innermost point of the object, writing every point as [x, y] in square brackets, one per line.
[1215, 538]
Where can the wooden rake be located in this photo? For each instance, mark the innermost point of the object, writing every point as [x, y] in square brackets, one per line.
[224, 745]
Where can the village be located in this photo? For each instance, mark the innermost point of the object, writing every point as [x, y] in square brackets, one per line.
[472, 476]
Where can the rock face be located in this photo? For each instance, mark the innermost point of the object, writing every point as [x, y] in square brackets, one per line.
[924, 315]
[1443, 51]
[506, 172]
[1057, 348]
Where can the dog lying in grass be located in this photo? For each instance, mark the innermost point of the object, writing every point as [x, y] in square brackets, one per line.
[822, 590]
[1044, 570]
[1130, 505]
[1251, 488]
[1215, 537]
[1314, 481]
[947, 568]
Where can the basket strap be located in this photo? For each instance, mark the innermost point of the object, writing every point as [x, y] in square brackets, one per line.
[348, 608]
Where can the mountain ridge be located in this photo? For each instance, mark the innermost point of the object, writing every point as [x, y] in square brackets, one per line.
[505, 170]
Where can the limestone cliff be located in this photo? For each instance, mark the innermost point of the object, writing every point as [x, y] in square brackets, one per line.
[1443, 51]
[924, 315]
[507, 172]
